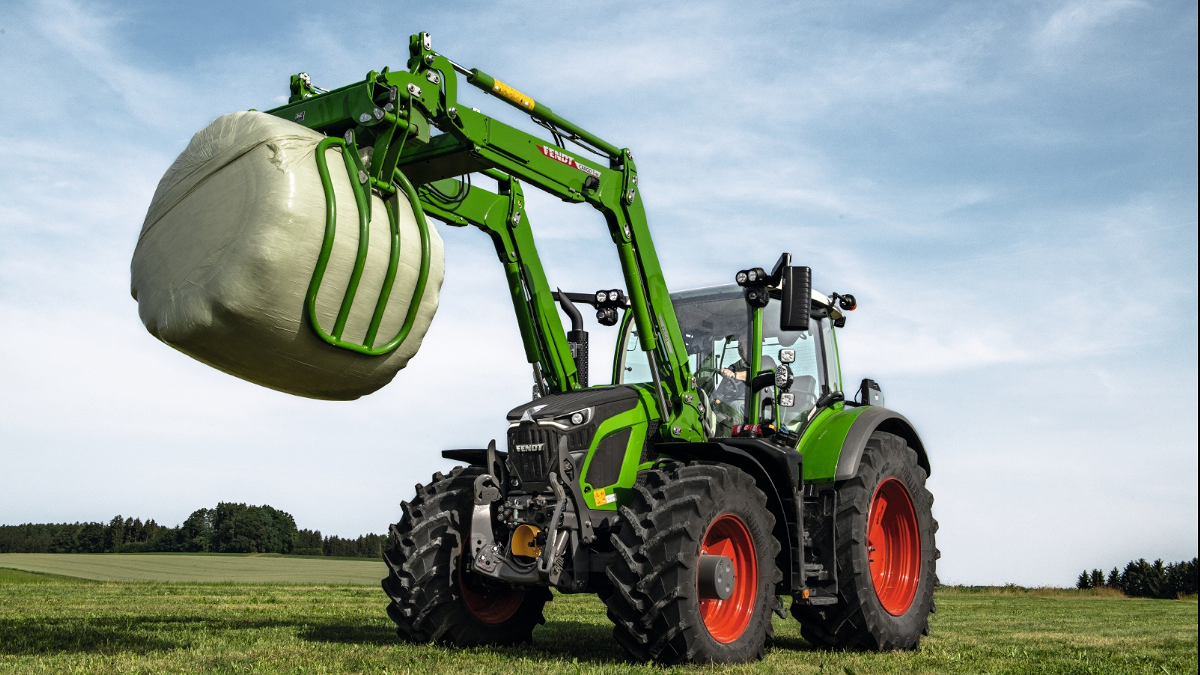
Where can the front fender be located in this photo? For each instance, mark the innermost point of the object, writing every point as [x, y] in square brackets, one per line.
[833, 443]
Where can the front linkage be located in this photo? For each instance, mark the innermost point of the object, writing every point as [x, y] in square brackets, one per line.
[632, 491]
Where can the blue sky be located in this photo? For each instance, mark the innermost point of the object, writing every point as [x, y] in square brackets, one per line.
[1010, 189]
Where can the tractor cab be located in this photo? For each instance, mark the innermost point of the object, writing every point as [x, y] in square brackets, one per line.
[716, 323]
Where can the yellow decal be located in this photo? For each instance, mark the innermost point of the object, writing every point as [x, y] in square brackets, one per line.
[598, 496]
[505, 91]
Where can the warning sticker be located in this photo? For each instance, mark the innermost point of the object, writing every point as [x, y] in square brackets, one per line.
[601, 497]
[568, 160]
[505, 91]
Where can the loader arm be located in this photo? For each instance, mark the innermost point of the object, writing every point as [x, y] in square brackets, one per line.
[502, 216]
[388, 122]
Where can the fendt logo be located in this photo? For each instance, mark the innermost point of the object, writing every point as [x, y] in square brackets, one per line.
[568, 160]
[531, 447]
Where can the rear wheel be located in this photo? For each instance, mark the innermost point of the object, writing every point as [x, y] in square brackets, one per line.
[434, 597]
[679, 513]
[886, 555]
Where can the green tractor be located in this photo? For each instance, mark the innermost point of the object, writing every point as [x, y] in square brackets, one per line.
[721, 469]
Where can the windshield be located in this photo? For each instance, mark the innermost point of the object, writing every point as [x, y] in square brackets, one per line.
[716, 327]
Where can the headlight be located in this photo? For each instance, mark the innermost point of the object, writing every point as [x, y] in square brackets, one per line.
[569, 420]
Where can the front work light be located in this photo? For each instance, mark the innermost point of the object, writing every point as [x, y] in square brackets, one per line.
[783, 376]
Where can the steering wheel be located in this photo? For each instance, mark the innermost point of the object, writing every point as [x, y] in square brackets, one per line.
[727, 388]
[704, 375]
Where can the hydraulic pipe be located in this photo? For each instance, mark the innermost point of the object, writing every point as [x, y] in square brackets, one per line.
[515, 98]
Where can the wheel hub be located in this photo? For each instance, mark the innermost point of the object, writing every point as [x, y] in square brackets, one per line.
[728, 538]
[716, 577]
[489, 605]
[894, 547]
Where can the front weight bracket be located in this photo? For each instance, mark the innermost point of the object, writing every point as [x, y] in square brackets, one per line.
[486, 491]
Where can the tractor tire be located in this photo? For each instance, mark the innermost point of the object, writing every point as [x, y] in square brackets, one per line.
[675, 512]
[433, 597]
[886, 556]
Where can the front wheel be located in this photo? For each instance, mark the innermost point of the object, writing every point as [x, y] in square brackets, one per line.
[665, 604]
[886, 556]
[434, 598]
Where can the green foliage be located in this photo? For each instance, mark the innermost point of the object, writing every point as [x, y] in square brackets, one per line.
[366, 546]
[1084, 582]
[309, 542]
[238, 528]
[228, 528]
[1142, 579]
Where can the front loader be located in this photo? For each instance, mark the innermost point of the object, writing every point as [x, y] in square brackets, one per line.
[723, 467]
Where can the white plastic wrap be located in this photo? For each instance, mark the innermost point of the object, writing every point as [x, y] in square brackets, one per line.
[228, 248]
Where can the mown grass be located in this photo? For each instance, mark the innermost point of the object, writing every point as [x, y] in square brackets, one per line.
[188, 567]
[54, 624]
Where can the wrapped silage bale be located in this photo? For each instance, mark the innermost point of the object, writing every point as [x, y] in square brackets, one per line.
[225, 257]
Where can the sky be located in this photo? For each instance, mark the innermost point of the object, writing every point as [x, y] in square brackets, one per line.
[1009, 189]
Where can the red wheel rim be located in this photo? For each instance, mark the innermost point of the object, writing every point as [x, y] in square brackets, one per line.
[894, 547]
[493, 606]
[727, 619]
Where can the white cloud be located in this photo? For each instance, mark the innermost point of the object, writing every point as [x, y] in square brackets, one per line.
[86, 38]
[1075, 20]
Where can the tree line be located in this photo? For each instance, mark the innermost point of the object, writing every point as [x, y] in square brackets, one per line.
[1142, 579]
[228, 528]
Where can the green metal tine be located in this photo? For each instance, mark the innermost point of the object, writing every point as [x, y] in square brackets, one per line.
[335, 337]
[364, 233]
[386, 291]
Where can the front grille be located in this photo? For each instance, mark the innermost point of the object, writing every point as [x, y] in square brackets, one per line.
[533, 449]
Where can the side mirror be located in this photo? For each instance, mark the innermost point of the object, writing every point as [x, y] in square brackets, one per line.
[796, 300]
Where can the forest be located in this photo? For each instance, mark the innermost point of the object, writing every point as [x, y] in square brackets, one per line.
[1141, 579]
[228, 528]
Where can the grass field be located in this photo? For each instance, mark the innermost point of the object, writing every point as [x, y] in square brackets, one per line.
[200, 568]
[61, 624]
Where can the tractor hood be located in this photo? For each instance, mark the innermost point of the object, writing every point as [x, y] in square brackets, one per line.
[595, 404]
